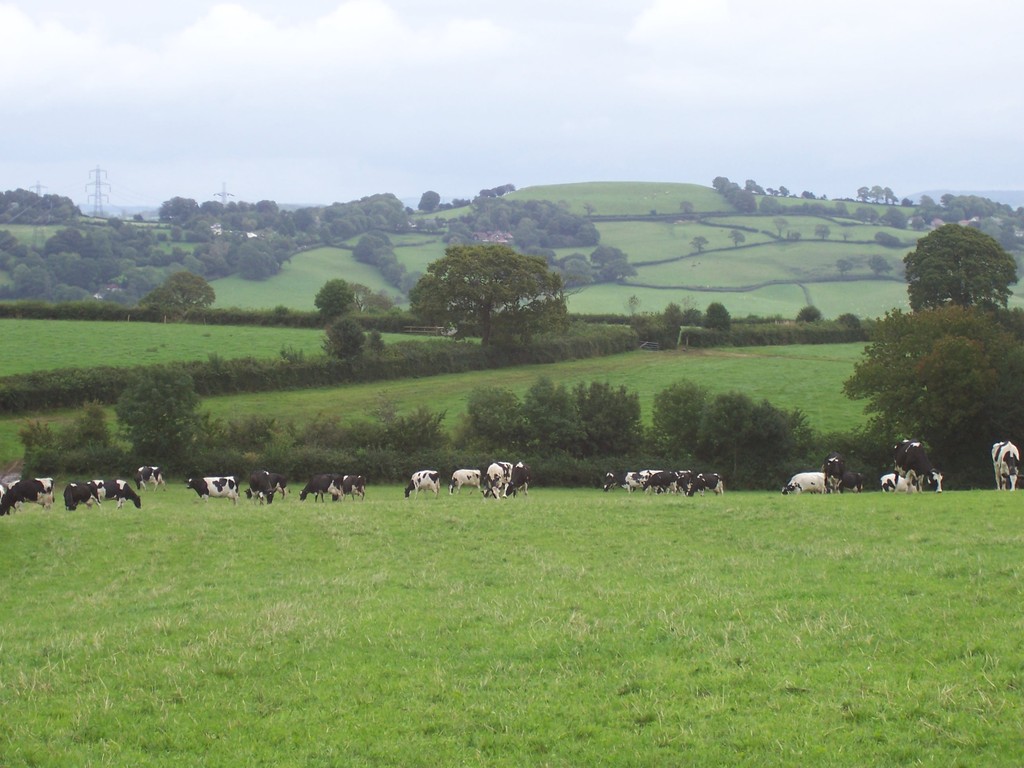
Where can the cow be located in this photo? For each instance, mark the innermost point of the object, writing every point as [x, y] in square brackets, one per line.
[263, 485]
[1005, 463]
[496, 479]
[805, 482]
[461, 477]
[911, 462]
[633, 481]
[353, 485]
[80, 493]
[219, 487]
[520, 480]
[893, 482]
[852, 481]
[662, 481]
[154, 475]
[609, 482]
[705, 482]
[424, 480]
[36, 489]
[833, 468]
[118, 489]
[321, 485]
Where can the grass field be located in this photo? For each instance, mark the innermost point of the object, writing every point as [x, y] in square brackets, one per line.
[777, 374]
[566, 628]
[624, 198]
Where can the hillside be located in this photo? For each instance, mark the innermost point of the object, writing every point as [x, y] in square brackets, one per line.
[621, 246]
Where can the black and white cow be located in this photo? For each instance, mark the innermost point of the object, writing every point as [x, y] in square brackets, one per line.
[519, 481]
[154, 475]
[805, 482]
[225, 487]
[662, 481]
[609, 482]
[496, 479]
[892, 483]
[263, 485]
[119, 490]
[80, 493]
[911, 461]
[852, 481]
[833, 468]
[424, 480]
[322, 485]
[1005, 463]
[461, 477]
[706, 481]
[634, 481]
[353, 485]
[36, 489]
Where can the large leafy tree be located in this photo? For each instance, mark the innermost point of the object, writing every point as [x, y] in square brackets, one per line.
[158, 412]
[179, 294]
[335, 299]
[958, 265]
[491, 291]
[950, 376]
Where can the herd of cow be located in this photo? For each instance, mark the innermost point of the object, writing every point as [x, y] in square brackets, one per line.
[913, 472]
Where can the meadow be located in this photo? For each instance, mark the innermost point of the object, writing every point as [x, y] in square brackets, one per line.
[777, 374]
[565, 628]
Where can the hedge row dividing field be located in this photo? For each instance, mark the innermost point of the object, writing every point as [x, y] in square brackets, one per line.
[566, 628]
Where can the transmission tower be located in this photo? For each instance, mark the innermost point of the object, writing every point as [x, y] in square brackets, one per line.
[223, 194]
[38, 189]
[97, 196]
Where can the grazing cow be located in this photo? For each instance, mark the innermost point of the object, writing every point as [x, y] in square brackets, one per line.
[662, 481]
[911, 461]
[496, 479]
[633, 480]
[219, 487]
[424, 480]
[80, 493]
[154, 475]
[852, 481]
[37, 489]
[609, 482]
[705, 482]
[833, 468]
[520, 480]
[121, 490]
[353, 485]
[263, 485]
[461, 477]
[1005, 463]
[321, 485]
[805, 482]
[893, 482]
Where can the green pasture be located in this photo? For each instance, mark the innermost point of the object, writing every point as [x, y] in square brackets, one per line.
[777, 374]
[297, 284]
[625, 198]
[564, 628]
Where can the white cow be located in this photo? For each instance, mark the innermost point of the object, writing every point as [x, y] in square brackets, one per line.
[225, 487]
[893, 482]
[1005, 462]
[461, 477]
[496, 479]
[806, 482]
[424, 480]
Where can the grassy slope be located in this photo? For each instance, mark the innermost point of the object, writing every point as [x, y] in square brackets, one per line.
[777, 374]
[567, 628]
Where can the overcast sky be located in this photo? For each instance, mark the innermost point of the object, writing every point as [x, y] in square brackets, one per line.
[317, 101]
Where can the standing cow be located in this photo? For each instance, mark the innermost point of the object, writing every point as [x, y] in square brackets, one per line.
[80, 493]
[496, 479]
[154, 475]
[424, 480]
[118, 490]
[833, 468]
[35, 489]
[519, 480]
[1005, 463]
[706, 481]
[461, 477]
[911, 462]
[219, 487]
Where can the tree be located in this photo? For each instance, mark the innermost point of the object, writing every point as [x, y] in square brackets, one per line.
[158, 411]
[179, 294]
[552, 419]
[611, 264]
[676, 418]
[844, 266]
[737, 237]
[943, 375]
[960, 266]
[334, 299]
[879, 265]
[717, 317]
[610, 419]
[492, 291]
[808, 314]
[780, 224]
[429, 201]
[699, 243]
[344, 339]
[822, 232]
